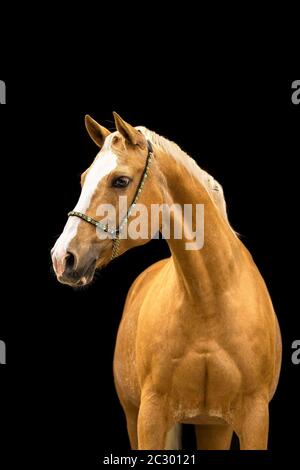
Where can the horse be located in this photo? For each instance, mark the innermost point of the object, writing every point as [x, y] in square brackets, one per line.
[199, 341]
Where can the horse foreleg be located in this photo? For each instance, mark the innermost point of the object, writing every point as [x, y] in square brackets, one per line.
[131, 413]
[253, 427]
[213, 437]
[152, 423]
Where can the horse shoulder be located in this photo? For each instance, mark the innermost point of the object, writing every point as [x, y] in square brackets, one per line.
[125, 350]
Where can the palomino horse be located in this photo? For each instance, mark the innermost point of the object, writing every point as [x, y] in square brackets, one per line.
[199, 341]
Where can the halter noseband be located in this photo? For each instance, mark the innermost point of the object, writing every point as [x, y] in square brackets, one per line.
[116, 232]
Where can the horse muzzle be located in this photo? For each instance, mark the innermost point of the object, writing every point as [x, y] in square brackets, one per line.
[73, 270]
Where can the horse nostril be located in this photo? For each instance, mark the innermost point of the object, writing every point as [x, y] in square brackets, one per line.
[70, 262]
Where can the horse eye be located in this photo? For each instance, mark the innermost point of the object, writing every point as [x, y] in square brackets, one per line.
[121, 182]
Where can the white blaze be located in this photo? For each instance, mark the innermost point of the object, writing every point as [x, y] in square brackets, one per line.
[61, 246]
[105, 162]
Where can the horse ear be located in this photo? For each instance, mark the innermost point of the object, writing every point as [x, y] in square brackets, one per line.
[130, 134]
[97, 133]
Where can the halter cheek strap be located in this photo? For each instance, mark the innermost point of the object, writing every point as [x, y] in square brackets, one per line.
[116, 232]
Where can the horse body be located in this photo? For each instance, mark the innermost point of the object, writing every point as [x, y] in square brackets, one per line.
[199, 341]
[201, 344]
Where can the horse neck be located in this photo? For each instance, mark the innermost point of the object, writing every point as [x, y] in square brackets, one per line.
[214, 267]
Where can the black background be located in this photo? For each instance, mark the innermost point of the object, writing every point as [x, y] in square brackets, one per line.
[57, 392]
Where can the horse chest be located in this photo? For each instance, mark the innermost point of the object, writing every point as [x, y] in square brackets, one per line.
[203, 379]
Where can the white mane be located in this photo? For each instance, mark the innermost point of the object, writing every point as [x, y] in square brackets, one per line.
[212, 186]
